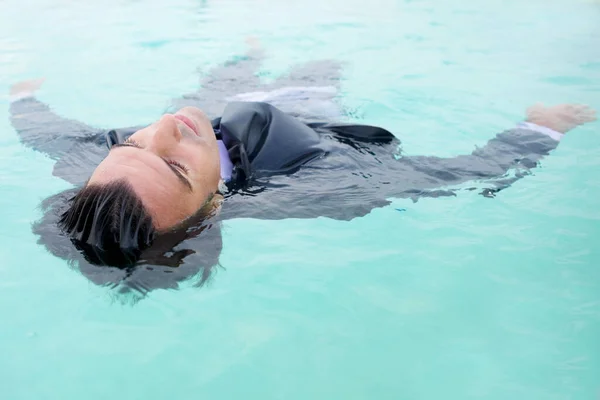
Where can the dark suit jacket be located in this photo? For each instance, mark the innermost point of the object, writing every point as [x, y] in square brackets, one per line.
[286, 166]
[301, 169]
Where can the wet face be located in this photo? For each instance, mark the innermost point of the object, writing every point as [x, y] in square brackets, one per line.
[173, 165]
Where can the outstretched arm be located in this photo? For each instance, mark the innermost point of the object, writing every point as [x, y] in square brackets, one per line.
[39, 127]
[519, 149]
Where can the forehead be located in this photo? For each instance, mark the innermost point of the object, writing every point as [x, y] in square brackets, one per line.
[141, 169]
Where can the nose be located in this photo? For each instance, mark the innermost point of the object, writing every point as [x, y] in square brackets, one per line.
[166, 136]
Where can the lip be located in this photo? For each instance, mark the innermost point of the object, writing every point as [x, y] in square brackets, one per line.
[188, 122]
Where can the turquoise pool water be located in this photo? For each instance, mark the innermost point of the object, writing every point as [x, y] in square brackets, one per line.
[453, 298]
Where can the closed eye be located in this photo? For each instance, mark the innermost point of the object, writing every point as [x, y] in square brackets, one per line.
[178, 165]
[174, 163]
[178, 169]
[133, 143]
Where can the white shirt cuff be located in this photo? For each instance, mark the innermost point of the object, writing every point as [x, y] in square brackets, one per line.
[542, 129]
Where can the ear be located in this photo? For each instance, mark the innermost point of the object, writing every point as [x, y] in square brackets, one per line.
[215, 205]
[211, 208]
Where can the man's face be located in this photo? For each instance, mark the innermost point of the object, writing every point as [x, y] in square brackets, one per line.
[173, 165]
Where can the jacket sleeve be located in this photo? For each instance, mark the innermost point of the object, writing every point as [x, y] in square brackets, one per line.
[43, 130]
[503, 160]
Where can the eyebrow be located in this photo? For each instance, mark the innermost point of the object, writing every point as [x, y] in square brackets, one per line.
[177, 173]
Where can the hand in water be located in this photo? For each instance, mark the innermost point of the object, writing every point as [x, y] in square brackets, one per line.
[561, 118]
[253, 42]
[26, 87]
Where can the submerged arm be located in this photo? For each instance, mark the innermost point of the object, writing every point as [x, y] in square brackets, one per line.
[518, 149]
[42, 129]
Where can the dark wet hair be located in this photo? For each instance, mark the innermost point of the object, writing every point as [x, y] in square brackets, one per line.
[109, 224]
